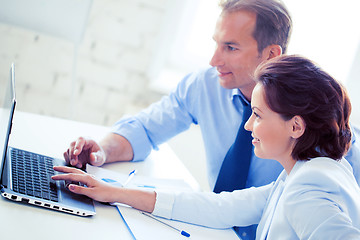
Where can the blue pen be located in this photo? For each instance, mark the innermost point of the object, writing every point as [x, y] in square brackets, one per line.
[131, 175]
[180, 231]
[127, 226]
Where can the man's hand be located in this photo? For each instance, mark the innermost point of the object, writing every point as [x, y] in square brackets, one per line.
[83, 151]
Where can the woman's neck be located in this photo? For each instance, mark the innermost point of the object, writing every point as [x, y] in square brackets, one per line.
[288, 164]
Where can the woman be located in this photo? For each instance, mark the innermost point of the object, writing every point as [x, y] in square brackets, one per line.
[301, 119]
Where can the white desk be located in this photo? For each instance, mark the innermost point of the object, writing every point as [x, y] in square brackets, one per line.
[51, 136]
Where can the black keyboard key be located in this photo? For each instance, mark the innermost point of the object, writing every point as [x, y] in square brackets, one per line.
[54, 197]
[46, 195]
[53, 186]
[38, 194]
[30, 192]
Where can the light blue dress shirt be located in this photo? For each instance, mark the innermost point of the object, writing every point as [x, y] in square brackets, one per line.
[199, 99]
[319, 199]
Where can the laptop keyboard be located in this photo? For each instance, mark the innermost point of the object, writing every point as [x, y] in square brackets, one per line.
[31, 175]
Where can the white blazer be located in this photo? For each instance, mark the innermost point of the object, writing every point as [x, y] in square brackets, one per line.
[319, 199]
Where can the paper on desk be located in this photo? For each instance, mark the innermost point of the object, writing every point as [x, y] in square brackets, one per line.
[145, 228]
[140, 181]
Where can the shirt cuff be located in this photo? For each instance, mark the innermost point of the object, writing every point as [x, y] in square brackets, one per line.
[136, 136]
[164, 204]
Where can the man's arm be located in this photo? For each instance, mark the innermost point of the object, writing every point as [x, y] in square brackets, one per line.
[116, 148]
[134, 137]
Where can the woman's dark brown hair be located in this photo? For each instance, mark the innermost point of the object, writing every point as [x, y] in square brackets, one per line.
[294, 85]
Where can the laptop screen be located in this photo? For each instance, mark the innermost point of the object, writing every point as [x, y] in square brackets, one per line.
[6, 112]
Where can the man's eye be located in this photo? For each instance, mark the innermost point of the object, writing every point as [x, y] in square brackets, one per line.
[231, 48]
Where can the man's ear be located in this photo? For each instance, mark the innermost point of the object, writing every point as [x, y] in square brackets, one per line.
[272, 51]
[298, 127]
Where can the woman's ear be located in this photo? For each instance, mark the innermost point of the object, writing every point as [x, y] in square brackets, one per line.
[298, 127]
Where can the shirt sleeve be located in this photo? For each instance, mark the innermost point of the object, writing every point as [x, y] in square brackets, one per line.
[164, 204]
[160, 121]
[224, 210]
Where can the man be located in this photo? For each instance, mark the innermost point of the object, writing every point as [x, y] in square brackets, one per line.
[247, 33]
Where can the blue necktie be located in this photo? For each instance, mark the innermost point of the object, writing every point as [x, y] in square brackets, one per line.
[235, 167]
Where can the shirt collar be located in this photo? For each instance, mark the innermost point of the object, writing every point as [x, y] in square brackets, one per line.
[237, 92]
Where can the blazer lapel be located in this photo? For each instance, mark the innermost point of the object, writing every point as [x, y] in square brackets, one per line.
[269, 211]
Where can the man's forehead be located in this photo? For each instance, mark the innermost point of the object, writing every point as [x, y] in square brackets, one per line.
[233, 26]
[245, 16]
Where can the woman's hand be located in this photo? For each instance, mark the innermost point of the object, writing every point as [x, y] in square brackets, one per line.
[95, 189]
[105, 192]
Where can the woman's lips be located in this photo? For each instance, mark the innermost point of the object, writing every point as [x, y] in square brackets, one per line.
[255, 140]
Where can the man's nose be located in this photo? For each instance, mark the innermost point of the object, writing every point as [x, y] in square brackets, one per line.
[216, 59]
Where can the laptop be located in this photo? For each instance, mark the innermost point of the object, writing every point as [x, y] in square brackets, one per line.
[26, 176]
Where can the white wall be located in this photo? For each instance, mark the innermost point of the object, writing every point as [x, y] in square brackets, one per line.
[113, 60]
[353, 86]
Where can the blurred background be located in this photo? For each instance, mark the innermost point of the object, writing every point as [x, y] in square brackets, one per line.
[98, 60]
